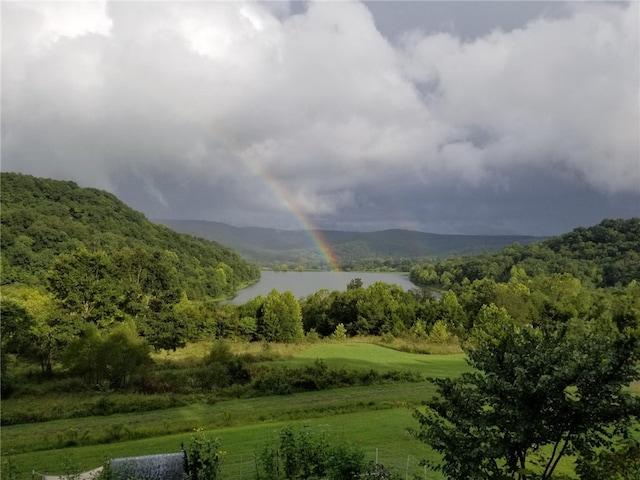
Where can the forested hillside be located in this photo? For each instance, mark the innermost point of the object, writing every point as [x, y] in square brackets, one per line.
[606, 254]
[387, 249]
[43, 218]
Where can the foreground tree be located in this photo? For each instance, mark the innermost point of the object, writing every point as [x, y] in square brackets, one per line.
[539, 393]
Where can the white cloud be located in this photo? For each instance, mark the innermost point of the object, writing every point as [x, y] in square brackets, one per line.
[563, 90]
[322, 102]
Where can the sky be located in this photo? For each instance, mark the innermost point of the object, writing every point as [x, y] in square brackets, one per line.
[467, 117]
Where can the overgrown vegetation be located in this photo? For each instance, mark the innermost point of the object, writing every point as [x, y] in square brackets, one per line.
[303, 453]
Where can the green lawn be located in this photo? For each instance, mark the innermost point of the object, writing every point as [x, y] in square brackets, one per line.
[44, 435]
[366, 355]
[373, 416]
[381, 432]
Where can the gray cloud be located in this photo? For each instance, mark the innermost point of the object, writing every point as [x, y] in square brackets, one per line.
[356, 115]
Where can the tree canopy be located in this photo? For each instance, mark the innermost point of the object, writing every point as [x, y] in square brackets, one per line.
[607, 254]
[44, 218]
[538, 393]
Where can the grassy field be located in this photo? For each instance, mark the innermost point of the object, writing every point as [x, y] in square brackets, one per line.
[381, 432]
[374, 416]
[364, 355]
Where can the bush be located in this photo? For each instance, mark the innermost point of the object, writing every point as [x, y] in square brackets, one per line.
[222, 368]
[340, 333]
[304, 454]
[203, 458]
[312, 336]
[117, 357]
[439, 333]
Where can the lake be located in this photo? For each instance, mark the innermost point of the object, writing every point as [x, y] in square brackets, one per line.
[306, 283]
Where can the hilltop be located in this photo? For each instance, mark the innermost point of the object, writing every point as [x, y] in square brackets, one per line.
[43, 218]
[607, 254]
[364, 250]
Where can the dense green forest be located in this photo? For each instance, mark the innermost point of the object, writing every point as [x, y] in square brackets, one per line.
[607, 254]
[43, 218]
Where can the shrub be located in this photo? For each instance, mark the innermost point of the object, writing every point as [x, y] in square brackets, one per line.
[340, 333]
[304, 454]
[387, 337]
[222, 368]
[439, 333]
[312, 336]
[203, 458]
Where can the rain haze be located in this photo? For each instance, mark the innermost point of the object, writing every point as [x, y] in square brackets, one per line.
[445, 117]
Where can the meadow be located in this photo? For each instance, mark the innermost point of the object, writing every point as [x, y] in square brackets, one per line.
[375, 417]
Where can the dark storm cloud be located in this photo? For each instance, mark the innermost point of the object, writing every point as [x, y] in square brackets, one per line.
[463, 117]
[466, 19]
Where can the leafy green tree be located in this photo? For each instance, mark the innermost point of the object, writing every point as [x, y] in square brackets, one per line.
[378, 311]
[85, 286]
[439, 333]
[33, 328]
[355, 284]
[153, 296]
[424, 274]
[280, 319]
[125, 353]
[115, 357]
[316, 312]
[451, 312]
[165, 329]
[539, 393]
[619, 463]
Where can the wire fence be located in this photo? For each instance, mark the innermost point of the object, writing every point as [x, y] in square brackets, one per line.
[245, 467]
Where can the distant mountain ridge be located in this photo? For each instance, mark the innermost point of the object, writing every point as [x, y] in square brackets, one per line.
[268, 246]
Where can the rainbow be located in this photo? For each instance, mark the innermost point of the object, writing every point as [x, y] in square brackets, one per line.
[302, 218]
[271, 181]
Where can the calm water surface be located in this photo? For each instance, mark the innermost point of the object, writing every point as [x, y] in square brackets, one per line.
[306, 283]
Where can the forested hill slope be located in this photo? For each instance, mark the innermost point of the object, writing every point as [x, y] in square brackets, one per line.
[353, 250]
[606, 254]
[42, 218]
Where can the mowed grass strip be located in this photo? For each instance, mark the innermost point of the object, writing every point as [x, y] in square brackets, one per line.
[380, 433]
[113, 428]
[365, 355]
